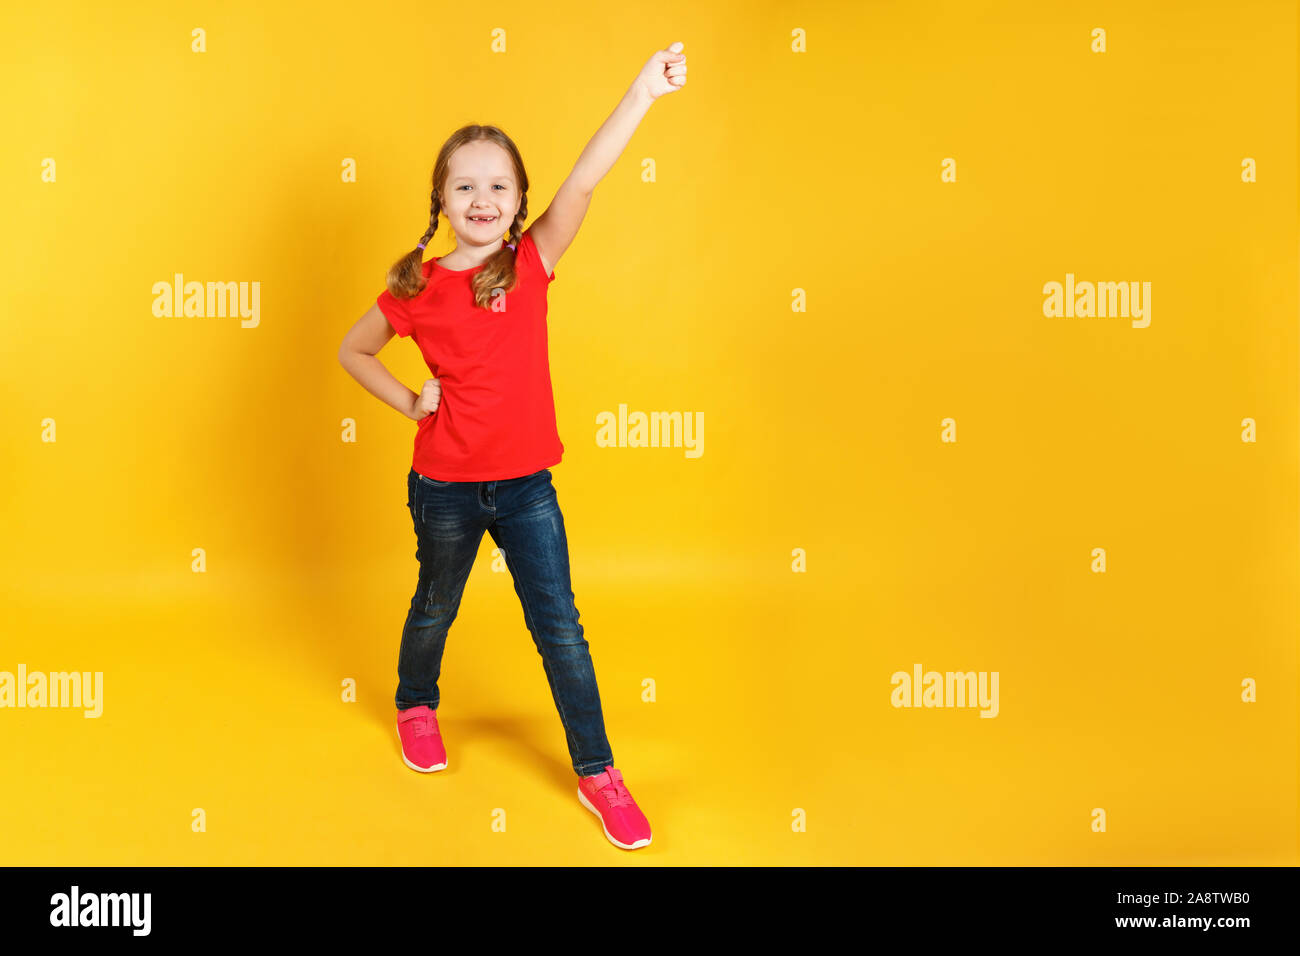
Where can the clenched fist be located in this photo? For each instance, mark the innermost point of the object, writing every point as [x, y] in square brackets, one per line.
[426, 403]
[664, 72]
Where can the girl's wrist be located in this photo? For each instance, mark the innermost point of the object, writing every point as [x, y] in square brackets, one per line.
[640, 95]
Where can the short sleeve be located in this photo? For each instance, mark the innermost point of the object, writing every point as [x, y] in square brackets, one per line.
[528, 251]
[397, 311]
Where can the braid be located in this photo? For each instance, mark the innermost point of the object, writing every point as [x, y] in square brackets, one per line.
[436, 207]
[405, 277]
[517, 227]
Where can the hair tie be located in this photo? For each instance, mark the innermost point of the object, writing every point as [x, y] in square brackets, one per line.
[420, 245]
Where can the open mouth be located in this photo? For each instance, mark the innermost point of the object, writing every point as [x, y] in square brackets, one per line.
[482, 218]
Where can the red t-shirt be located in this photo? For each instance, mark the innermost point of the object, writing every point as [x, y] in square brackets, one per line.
[496, 418]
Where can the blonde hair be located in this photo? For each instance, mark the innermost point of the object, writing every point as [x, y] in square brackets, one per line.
[405, 278]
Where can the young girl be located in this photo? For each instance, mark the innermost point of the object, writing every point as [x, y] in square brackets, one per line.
[483, 450]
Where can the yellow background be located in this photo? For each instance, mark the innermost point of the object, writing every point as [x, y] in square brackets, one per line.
[775, 171]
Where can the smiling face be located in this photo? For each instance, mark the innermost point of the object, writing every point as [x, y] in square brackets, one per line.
[481, 197]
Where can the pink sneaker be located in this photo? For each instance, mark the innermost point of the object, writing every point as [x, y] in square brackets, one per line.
[604, 795]
[417, 729]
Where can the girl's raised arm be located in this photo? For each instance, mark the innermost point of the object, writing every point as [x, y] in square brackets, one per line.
[554, 229]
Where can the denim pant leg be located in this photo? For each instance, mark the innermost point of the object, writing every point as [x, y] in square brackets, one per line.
[448, 528]
[529, 529]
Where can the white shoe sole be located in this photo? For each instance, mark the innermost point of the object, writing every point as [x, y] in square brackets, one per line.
[587, 803]
[437, 766]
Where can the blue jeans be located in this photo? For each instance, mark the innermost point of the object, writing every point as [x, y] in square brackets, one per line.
[523, 517]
